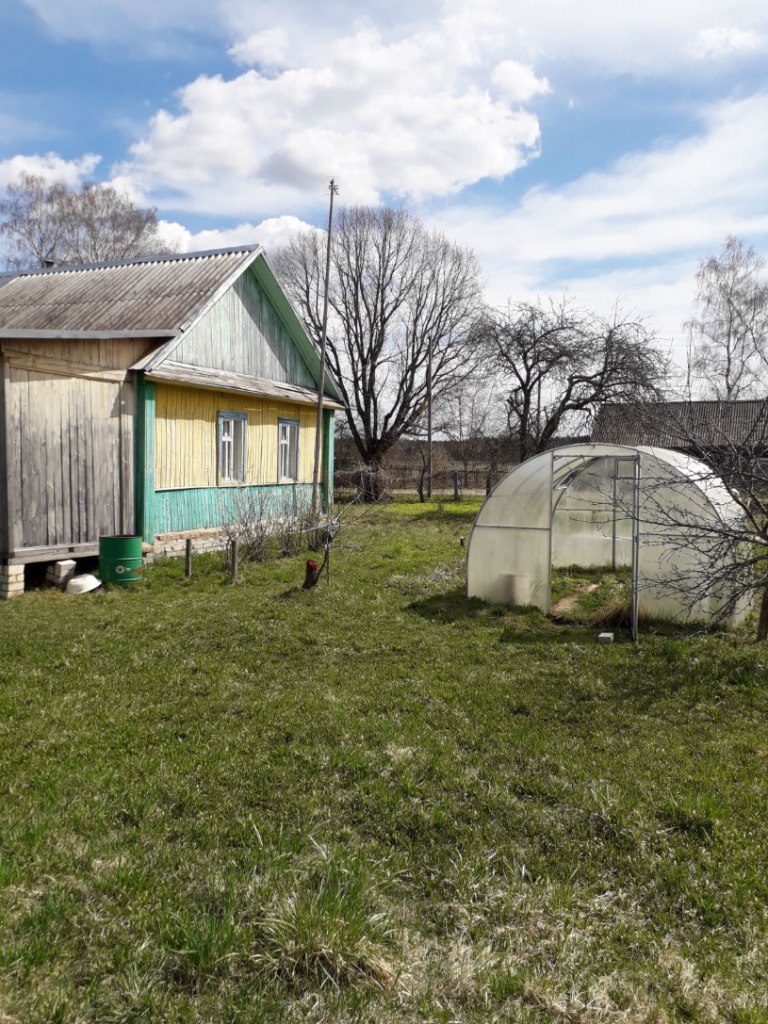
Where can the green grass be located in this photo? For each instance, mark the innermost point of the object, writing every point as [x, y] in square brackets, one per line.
[375, 801]
[602, 595]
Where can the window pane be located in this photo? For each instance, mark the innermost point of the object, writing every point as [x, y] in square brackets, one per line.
[287, 449]
[238, 451]
[233, 439]
[294, 450]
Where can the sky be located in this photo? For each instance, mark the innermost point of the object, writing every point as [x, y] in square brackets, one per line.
[598, 149]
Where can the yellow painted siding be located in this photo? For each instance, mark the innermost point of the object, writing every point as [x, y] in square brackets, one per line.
[186, 426]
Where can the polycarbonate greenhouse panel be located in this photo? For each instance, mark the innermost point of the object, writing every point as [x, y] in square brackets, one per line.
[574, 506]
[510, 566]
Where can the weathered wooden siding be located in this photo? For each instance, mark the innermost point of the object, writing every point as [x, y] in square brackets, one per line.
[243, 333]
[103, 354]
[186, 436]
[70, 411]
[5, 440]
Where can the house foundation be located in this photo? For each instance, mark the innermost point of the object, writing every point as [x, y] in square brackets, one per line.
[11, 580]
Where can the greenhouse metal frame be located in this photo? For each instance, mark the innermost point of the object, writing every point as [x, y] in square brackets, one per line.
[657, 511]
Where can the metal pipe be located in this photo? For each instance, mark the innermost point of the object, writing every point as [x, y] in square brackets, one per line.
[333, 189]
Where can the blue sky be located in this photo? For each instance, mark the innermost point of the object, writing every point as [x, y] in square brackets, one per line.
[599, 148]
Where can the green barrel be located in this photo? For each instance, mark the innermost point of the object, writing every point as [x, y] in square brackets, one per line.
[120, 559]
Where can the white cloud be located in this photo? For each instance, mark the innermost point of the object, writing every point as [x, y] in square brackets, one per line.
[267, 48]
[382, 117]
[721, 43]
[655, 37]
[516, 82]
[638, 228]
[271, 233]
[601, 37]
[49, 165]
[155, 28]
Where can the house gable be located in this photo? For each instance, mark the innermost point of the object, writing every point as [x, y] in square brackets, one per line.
[242, 333]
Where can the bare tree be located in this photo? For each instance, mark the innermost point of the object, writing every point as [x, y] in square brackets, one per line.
[44, 222]
[727, 443]
[472, 420]
[728, 338]
[398, 294]
[559, 364]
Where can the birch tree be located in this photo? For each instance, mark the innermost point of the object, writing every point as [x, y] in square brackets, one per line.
[728, 335]
[44, 223]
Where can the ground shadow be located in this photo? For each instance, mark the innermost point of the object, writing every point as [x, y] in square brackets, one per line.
[452, 606]
[518, 625]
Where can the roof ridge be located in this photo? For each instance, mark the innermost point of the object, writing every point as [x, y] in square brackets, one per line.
[683, 401]
[73, 268]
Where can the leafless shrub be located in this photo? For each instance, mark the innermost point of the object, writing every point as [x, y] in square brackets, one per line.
[263, 530]
[245, 520]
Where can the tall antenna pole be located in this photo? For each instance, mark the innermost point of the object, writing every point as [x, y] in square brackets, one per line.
[429, 420]
[333, 190]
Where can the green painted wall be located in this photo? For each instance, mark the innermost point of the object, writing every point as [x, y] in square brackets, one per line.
[199, 508]
[144, 485]
[328, 437]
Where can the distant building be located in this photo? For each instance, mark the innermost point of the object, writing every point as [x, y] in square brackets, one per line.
[709, 429]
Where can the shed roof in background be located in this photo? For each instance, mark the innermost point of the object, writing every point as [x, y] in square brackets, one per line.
[150, 296]
[683, 425]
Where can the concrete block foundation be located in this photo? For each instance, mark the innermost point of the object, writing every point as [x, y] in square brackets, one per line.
[11, 581]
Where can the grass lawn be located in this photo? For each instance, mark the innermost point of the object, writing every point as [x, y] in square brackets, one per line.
[377, 801]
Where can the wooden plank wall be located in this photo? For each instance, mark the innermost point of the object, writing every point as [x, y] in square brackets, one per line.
[243, 333]
[5, 440]
[70, 411]
[186, 440]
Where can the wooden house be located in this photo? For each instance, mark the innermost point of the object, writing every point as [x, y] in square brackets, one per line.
[150, 397]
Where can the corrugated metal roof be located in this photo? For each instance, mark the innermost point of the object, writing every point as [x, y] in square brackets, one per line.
[157, 294]
[679, 424]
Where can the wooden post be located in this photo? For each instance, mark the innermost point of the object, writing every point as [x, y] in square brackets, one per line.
[762, 622]
[234, 558]
[429, 421]
[333, 189]
[188, 557]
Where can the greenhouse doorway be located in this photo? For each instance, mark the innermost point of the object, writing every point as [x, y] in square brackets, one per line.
[595, 517]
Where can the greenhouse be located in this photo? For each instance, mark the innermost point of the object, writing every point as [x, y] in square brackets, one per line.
[662, 514]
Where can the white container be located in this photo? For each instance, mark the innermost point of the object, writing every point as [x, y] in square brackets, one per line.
[83, 584]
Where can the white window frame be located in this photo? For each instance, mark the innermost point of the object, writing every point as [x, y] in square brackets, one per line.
[232, 447]
[287, 450]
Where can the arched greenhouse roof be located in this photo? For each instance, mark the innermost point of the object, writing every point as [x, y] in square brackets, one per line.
[574, 505]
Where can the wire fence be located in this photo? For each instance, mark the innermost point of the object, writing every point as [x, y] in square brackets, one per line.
[413, 479]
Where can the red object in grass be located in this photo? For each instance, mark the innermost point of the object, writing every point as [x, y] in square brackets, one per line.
[312, 573]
